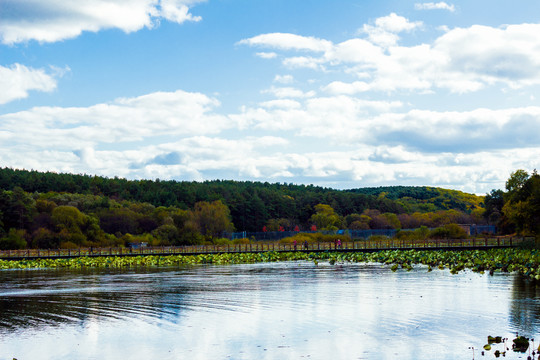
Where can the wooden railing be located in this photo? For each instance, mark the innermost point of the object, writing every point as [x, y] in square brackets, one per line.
[361, 245]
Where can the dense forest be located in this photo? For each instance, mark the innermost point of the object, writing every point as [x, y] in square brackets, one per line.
[46, 209]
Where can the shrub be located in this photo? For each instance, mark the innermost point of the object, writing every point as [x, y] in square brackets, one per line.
[241, 241]
[378, 238]
[68, 245]
[221, 241]
[421, 233]
[406, 235]
[314, 237]
[448, 231]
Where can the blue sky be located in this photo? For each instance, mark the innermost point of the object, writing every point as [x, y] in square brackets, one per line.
[341, 93]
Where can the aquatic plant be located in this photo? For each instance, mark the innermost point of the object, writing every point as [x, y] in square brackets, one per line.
[523, 261]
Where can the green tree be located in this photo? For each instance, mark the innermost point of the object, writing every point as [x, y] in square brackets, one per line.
[18, 208]
[276, 224]
[522, 206]
[166, 234]
[493, 203]
[119, 221]
[516, 181]
[393, 220]
[212, 218]
[45, 239]
[15, 239]
[68, 218]
[325, 218]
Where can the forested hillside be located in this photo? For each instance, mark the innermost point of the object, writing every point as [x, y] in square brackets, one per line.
[101, 210]
[425, 198]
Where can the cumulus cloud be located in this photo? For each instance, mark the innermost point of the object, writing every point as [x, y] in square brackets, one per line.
[284, 79]
[395, 24]
[288, 92]
[123, 120]
[354, 142]
[461, 60]
[386, 29]
[487, 55]
[266, 55]
[285, 41]
[342, 119]
[56, 20]
[17, 80]
[435, 6]
[339, 87]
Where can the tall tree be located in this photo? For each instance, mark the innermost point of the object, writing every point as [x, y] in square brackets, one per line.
[325, 218]
[522, 206]
[212, 218]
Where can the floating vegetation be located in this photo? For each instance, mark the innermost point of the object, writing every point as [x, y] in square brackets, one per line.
[520, 344]
[522, 261]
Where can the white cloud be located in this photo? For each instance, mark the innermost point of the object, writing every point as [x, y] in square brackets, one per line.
[266, 55]
[386, 28]
[348, 120]
[359, 142]
[435, 6]
[56, 20]
[395, 24]
[288, 92]
[123, 120]
[17, 80]
[461, 60]
[284, 79]
[285, 41]
[281, 103]
[303, 62]
[487, 55]
[339, 87]
[177, 11]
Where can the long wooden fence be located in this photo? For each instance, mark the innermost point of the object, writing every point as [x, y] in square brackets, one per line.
[361, 245]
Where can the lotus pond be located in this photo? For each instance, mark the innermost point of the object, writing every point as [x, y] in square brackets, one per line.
[313, 306]
[523, 261]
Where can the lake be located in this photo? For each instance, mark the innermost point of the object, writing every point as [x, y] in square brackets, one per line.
[286, 310]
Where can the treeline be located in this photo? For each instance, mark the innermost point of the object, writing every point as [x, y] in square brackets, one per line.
[517, 209]
[62, 210]
[251, 204]
[425, 198]
[64, 220]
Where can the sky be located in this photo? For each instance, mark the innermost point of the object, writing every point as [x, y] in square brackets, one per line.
[341, 94]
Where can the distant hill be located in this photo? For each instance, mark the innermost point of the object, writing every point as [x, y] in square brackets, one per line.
[425, 198]
[251, 204]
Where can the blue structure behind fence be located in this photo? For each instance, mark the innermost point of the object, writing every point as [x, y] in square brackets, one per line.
[354, 234]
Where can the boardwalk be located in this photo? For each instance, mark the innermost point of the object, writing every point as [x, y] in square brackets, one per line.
[362, 245]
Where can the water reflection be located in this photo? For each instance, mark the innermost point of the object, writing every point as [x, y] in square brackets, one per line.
[34, 299]
[525, 307]
[283, 310]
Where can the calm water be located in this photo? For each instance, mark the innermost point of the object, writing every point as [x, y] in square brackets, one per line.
[260, 311]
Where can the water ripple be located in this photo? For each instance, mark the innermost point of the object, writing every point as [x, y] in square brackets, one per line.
[278, 310]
